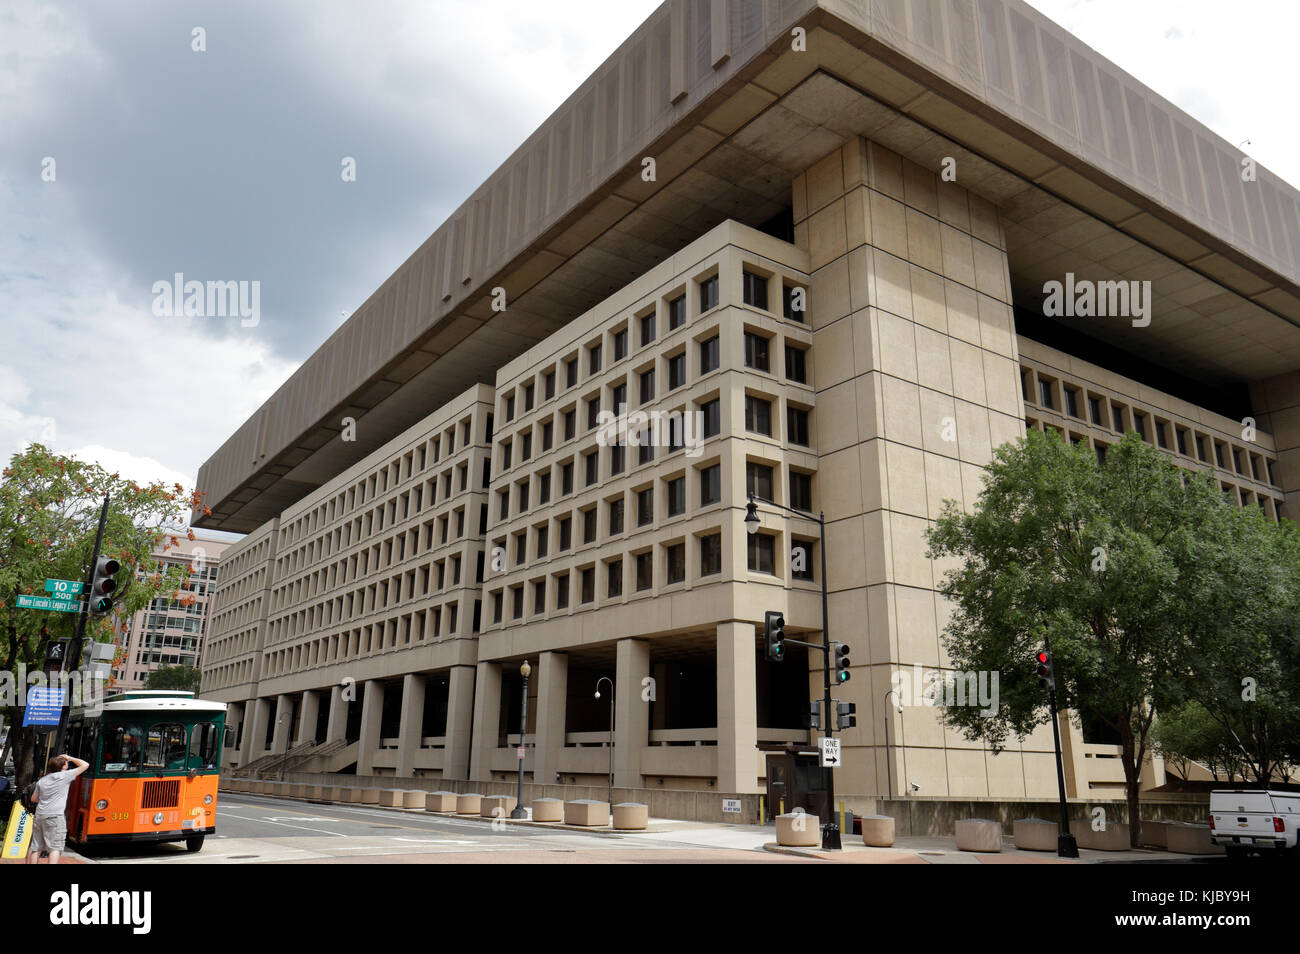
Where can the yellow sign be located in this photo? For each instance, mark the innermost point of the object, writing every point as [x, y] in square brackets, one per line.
[19, 833]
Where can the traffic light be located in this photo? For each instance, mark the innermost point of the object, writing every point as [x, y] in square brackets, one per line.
[845, 715]
[774, 635]
[54, 654]
[103, 584]
[842, 662]
[1046, 675]
[815, 714]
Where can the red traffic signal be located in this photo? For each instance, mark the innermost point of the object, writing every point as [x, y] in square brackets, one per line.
[1046, 675]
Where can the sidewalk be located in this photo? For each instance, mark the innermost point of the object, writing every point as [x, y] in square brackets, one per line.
[938, 850]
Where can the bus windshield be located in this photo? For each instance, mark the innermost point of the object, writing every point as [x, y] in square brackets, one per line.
[123, 743]
[165, 747]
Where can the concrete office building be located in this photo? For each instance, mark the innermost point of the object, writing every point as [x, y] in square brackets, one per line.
[168, 632]
[920, 172]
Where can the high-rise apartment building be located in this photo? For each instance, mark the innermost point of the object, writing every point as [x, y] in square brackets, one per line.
[798, 250]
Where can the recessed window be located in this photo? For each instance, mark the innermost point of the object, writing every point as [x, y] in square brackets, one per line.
[619, 396]
[758, 480]
[796, 423]
[711, 485]
[645, 451]
[496, 606]
[562, 591]
[510, 407]
[570, 424]
[593, 359]
[709, 355]
[593, 411]
[792, 302]
[543, 541]
[1072, 402]
[758, 415]
[675, 562]
[762, 553]
[1094, 410]
[539, 597]
[548, 436]
[566, 533]
[620, 344]
[593, 467]
[676, 496]
[754, 288]
[801, 491]
[756, 356]
[617, 459]
[544, 489]
[801, 560]
[517, 602]
[676, 371]
[711, 554]
[503, 498]
[523, 495]
[644, 571]
[529, 393]
[1100, 449]
[587, 581]
[548, 385]
[614, 578]
[647, 386]
[526, 446]
[712, 411]
[708, 294]
[1162, 434]
[566, 478]
[616, 516]
[1045, 393]
[506, 449]
[1117, 418]
[677, 312]
[796, 364]
[647, 329]
[645, 506]
[571, 373]
[589, 525]
[1200, 449]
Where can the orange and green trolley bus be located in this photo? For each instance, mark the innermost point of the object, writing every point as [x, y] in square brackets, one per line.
[154, 761]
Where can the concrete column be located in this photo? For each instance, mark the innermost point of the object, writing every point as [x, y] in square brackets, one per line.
[487, 720]
[283, 723]
[552, 697]
[336, 729]
[412, 726]
[460, 721]
[255, 730]
[235, 714]
[631, 715]
[737, 709]
[307, 717]
[372, 712]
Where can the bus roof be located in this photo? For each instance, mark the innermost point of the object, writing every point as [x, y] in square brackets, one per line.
[150, 694]
[178, 702]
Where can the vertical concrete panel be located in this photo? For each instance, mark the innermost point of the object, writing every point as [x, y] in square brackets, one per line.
[737, 709]
[631, 715]
[307, 717]
[337, 727]
[255, 731]
[460, 721]
[487, 719]
[283, 723]
[552, 696]
[372, 711]
[412, 724]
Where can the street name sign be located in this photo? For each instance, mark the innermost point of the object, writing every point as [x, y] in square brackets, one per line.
[63, 588]
[48, 603]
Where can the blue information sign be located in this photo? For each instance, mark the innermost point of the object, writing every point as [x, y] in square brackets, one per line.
[44, 704]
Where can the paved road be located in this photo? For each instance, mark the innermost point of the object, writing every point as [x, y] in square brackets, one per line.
[254, 829]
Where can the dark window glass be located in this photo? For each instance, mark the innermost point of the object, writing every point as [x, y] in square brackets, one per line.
[1094, 410]
[709, 356]
[544, 489]
[677, 312]
[614, 578]
[647, 386]
[796, 364]
[529, 391]
[758, 480]
[711, 485]
[645, 451]
[548, 436]
[1140, 424]
[589, 526]
[708, 294]
[570, 424]
[762, 553]
[644, 571]
[1072, 402]
[539, 598]
[645, 506]
[617, 459]
[620, 345]
[758, 416]
[517, 602]
[562, 591]
[676, 496]
[549, 385]
[588, 578]
[1045, 393]
[755, 289]
[496, 607]
[756, 356]
[566, 478]
[593, 411]
[676, 371]
[647, 329]
[571, 372]
[619, 394]
[510, 407]
[792, 296]
[593, 359]
[712, 411]
[616, 516]
[566, 533]
[675, 561]
[796, 422]
[526, 447]
[711, 554]
[505, 455]
[801, 491]
[1117, 419]
[593, 468]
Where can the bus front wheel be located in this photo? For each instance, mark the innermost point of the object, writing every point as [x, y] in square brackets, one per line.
[194, 843]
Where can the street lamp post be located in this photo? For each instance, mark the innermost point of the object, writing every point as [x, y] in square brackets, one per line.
[889, 769]
[830, 827]
[611, 732]
[524, 670]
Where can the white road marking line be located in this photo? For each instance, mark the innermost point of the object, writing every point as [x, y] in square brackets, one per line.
[336, 834]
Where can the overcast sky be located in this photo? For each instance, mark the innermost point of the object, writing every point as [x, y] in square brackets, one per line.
[225, 165]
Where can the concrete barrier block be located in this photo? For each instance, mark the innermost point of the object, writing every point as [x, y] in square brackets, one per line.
[979, 834]
[369, 796]
[440, 802]
[548, 810]
[587, 812]
[392, 797]
[1189, 839]
[496, 806]
[798, 830]
[631, 816]
[469, 804]
[350, 794]
[1114, 837]
[878, 831]
[1035, 834]
[1155, 834]
[415, 798]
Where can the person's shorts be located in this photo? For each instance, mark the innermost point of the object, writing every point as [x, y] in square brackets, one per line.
[49, 833]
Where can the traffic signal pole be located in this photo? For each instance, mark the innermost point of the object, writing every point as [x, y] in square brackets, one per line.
[831, 828]
[1066, 847]
[82, 617]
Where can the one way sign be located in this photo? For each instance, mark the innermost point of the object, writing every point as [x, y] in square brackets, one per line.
[830, 749]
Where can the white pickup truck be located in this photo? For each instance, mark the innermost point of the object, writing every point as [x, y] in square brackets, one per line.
[1260, 820]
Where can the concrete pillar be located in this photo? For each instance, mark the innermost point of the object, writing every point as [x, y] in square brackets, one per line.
[487, 720]
[336, 729]
[412, 725]
[737, 709]
[283, 723]
[460, 721]
[631, 714]
[552, 697]
[234, 721]
[307, 716]
[372, 713]
[255, 730]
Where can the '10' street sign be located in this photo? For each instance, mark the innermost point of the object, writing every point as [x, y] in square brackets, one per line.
[62, 589]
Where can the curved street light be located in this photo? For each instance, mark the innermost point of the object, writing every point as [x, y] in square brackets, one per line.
[610, 796]
[518, 812]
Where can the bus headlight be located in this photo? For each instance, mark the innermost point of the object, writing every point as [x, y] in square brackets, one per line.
[207, 799]
[101, 804]
[158, 818]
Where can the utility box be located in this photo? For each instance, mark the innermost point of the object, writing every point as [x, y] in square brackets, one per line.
[795, 779]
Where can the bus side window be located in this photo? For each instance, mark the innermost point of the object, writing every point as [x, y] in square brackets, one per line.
[121, 749]
[204, 740]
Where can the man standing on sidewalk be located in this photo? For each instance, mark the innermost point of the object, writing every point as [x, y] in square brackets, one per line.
[50, 828]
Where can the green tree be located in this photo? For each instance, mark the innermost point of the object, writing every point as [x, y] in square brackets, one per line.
[1186, 734]
[174, 677]
[49, 512]
[1102, 564]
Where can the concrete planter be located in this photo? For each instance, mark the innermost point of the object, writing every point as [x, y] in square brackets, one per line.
[1115, 837]
[392, 797]
[369, 796]
[468, 804]
[496, 806]
[440, 802]
[1155, 834]
[979, 834]
[587, 812]
[415, 798]
[798, 830]
[631, 816]
[878, 831]
[1190, 839]
[332, 793]
[1035, 834]
[548, 810]
[350, 794]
